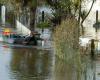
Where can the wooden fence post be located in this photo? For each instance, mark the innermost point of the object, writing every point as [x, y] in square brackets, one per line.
[92, 49]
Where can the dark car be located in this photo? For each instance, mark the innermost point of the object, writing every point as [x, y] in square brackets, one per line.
[17, 39]
[31, 40]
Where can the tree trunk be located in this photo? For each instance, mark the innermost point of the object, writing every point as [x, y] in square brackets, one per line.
[79, 18]
[32, 18]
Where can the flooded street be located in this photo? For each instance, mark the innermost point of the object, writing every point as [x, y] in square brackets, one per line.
[25, 64]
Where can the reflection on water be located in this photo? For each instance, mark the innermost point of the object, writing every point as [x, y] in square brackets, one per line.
[5, 55]
[64, 71]
[29, 64]
[25, 64]
[34, 64]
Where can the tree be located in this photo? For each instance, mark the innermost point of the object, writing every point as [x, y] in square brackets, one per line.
[19, 5]
[66, 8]
[66, 35]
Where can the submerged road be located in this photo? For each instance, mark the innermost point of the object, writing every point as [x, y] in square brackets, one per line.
[25, 63]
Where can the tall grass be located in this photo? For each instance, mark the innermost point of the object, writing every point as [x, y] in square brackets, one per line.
[66, 39]
[66, 43]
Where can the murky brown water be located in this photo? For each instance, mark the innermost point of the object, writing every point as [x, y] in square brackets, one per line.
[35, 64]
[25, 64]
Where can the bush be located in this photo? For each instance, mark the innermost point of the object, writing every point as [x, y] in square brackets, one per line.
[43, 25]
[66, 43]
[66, 38]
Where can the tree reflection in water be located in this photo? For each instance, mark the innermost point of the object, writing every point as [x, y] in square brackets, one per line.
[29, 64]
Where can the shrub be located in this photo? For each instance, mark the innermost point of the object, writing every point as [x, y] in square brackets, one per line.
[66, 38]
[43, 25]
[66, 43]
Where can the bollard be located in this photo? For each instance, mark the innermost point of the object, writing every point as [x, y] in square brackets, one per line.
[42, 43]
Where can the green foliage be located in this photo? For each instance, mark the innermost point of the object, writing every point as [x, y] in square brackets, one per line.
[19, 3]
[43, 25]
[10, 17]
[63, 9]
[66, 8]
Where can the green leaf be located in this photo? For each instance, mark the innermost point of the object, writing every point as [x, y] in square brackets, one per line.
[43, 25]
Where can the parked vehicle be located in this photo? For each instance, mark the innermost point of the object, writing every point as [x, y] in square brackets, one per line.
[14, 38]
[31, 40]
[17, 39]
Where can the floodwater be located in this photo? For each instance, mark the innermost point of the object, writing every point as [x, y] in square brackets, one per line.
[18, 63]
[25, 63]
[93, 65]
[35, 64]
